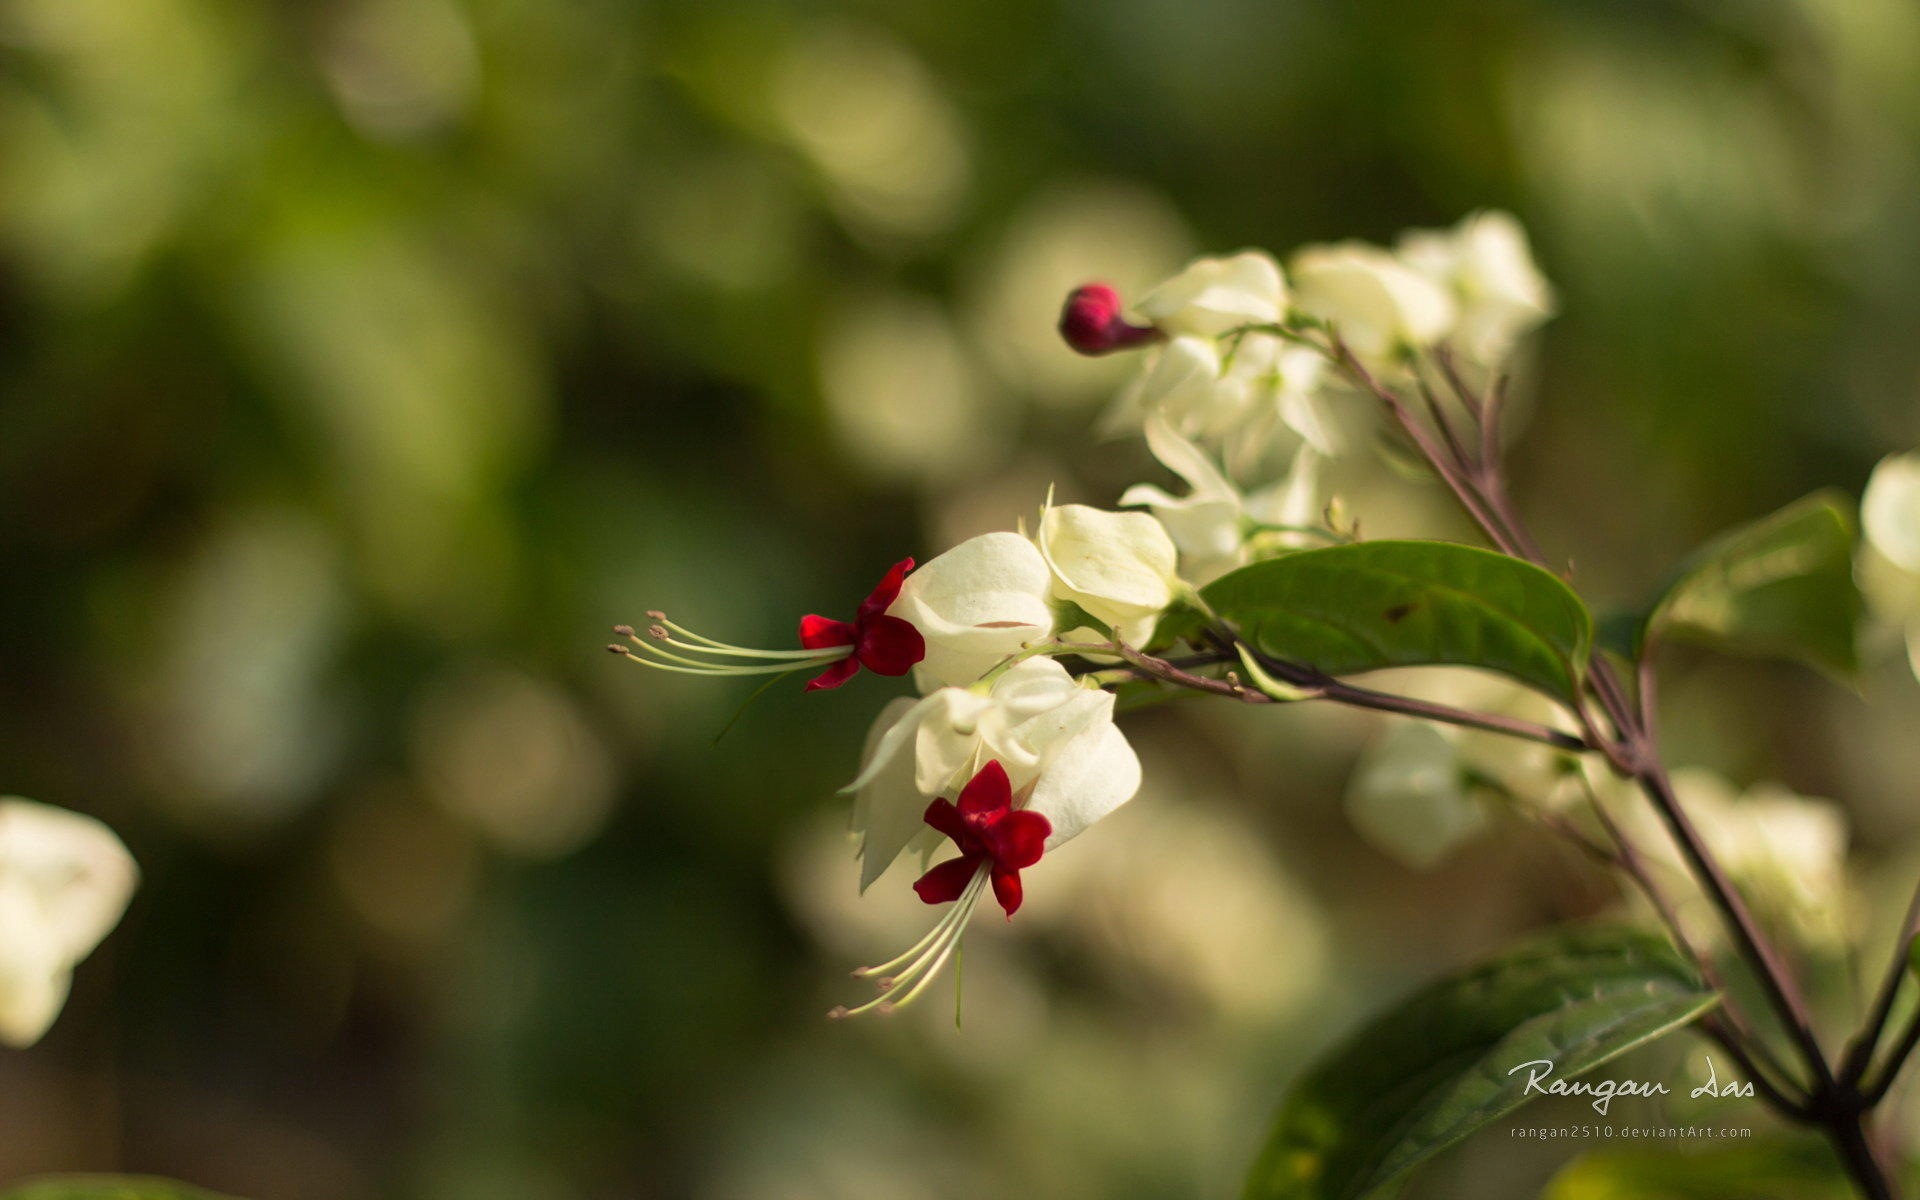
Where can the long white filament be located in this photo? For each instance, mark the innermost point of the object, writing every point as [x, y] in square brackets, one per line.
[924, 960]
[705, 656]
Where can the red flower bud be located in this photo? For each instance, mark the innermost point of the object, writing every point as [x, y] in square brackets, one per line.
[1091, 322]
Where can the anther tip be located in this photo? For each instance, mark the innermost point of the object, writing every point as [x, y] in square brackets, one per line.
[616, 648]
[657, 631]
[838, 1012]
[654, 614]
[886, 1008]
[623, 630]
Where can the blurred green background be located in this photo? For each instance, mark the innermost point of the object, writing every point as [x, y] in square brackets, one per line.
[362, 362]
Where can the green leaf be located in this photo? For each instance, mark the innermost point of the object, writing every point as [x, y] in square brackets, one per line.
[1780, 587]
[1757, 1170]
[1441, 1065]
[104, 1187]
[1353, 608]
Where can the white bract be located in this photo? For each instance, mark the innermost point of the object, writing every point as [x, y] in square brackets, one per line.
[1121, 568]
[1055, 739]
[975, 605]
[1214, 295]
[1181, 383]
[1485, 264]
[65, 879]
[1889, 565]
[1379, 306]
[1279, 383]
[1214, 526]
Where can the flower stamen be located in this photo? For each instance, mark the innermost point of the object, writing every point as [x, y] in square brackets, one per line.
[929, 956]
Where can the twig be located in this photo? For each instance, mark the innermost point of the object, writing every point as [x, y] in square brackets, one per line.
[1860, 1051]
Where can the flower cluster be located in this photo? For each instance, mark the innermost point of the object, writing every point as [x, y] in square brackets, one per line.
[1007, 752]
[1239, 349]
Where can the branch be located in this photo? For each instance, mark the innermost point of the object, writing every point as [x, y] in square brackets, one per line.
[1860, 1050]
[1320, 686]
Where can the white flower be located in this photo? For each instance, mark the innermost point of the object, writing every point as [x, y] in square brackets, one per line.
[1787, 852]
[1214, 295]
[1486, 265]
[1377, 304]
[1410, 795]
[1423, 789]
[975, 605]
[1281, 383]
[1213, 524]
[1055, 739]
[1181, 383]
[1889, 564]
[65, 879]
[1121, 568]
[1890, 509]
[1240, 400]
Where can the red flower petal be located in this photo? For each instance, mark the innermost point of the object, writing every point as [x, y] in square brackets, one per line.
[945, 818]
[890, 646]
[819, 633]
[886, 591]
[835, 675]
[989, 792]
[1018, 839]
[945, 882]
[1007, 890]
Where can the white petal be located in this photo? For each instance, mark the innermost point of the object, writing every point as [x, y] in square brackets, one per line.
[1375, 302]
[975, 605]
[74, 868]
[1309, 415]
[1115, 565]
[1188, 461]
[887, 740]
[1085, 779]
[1214, 295]
[887, 806]
[1890, 509]
[29, 1002]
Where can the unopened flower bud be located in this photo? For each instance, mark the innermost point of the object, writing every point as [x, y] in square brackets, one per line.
[1091, 322]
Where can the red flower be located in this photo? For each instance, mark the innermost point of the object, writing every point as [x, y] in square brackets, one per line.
[882, 644]
[989, 832]
[1091, 322]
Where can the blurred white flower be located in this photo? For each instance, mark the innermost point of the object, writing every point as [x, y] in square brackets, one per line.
[1421, 790]
[1055, 739]
[1214, 525]
[1787, 852]
[1890, 509]
[1241, 398]
[874, 123]
[1181, 383]
[940, 429]
[975, 605]
[1379, 306]
[1121, 568]
[1889, 564]
[1214, 295]
[1283, 384]
[65, 880]
[1485, 264]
